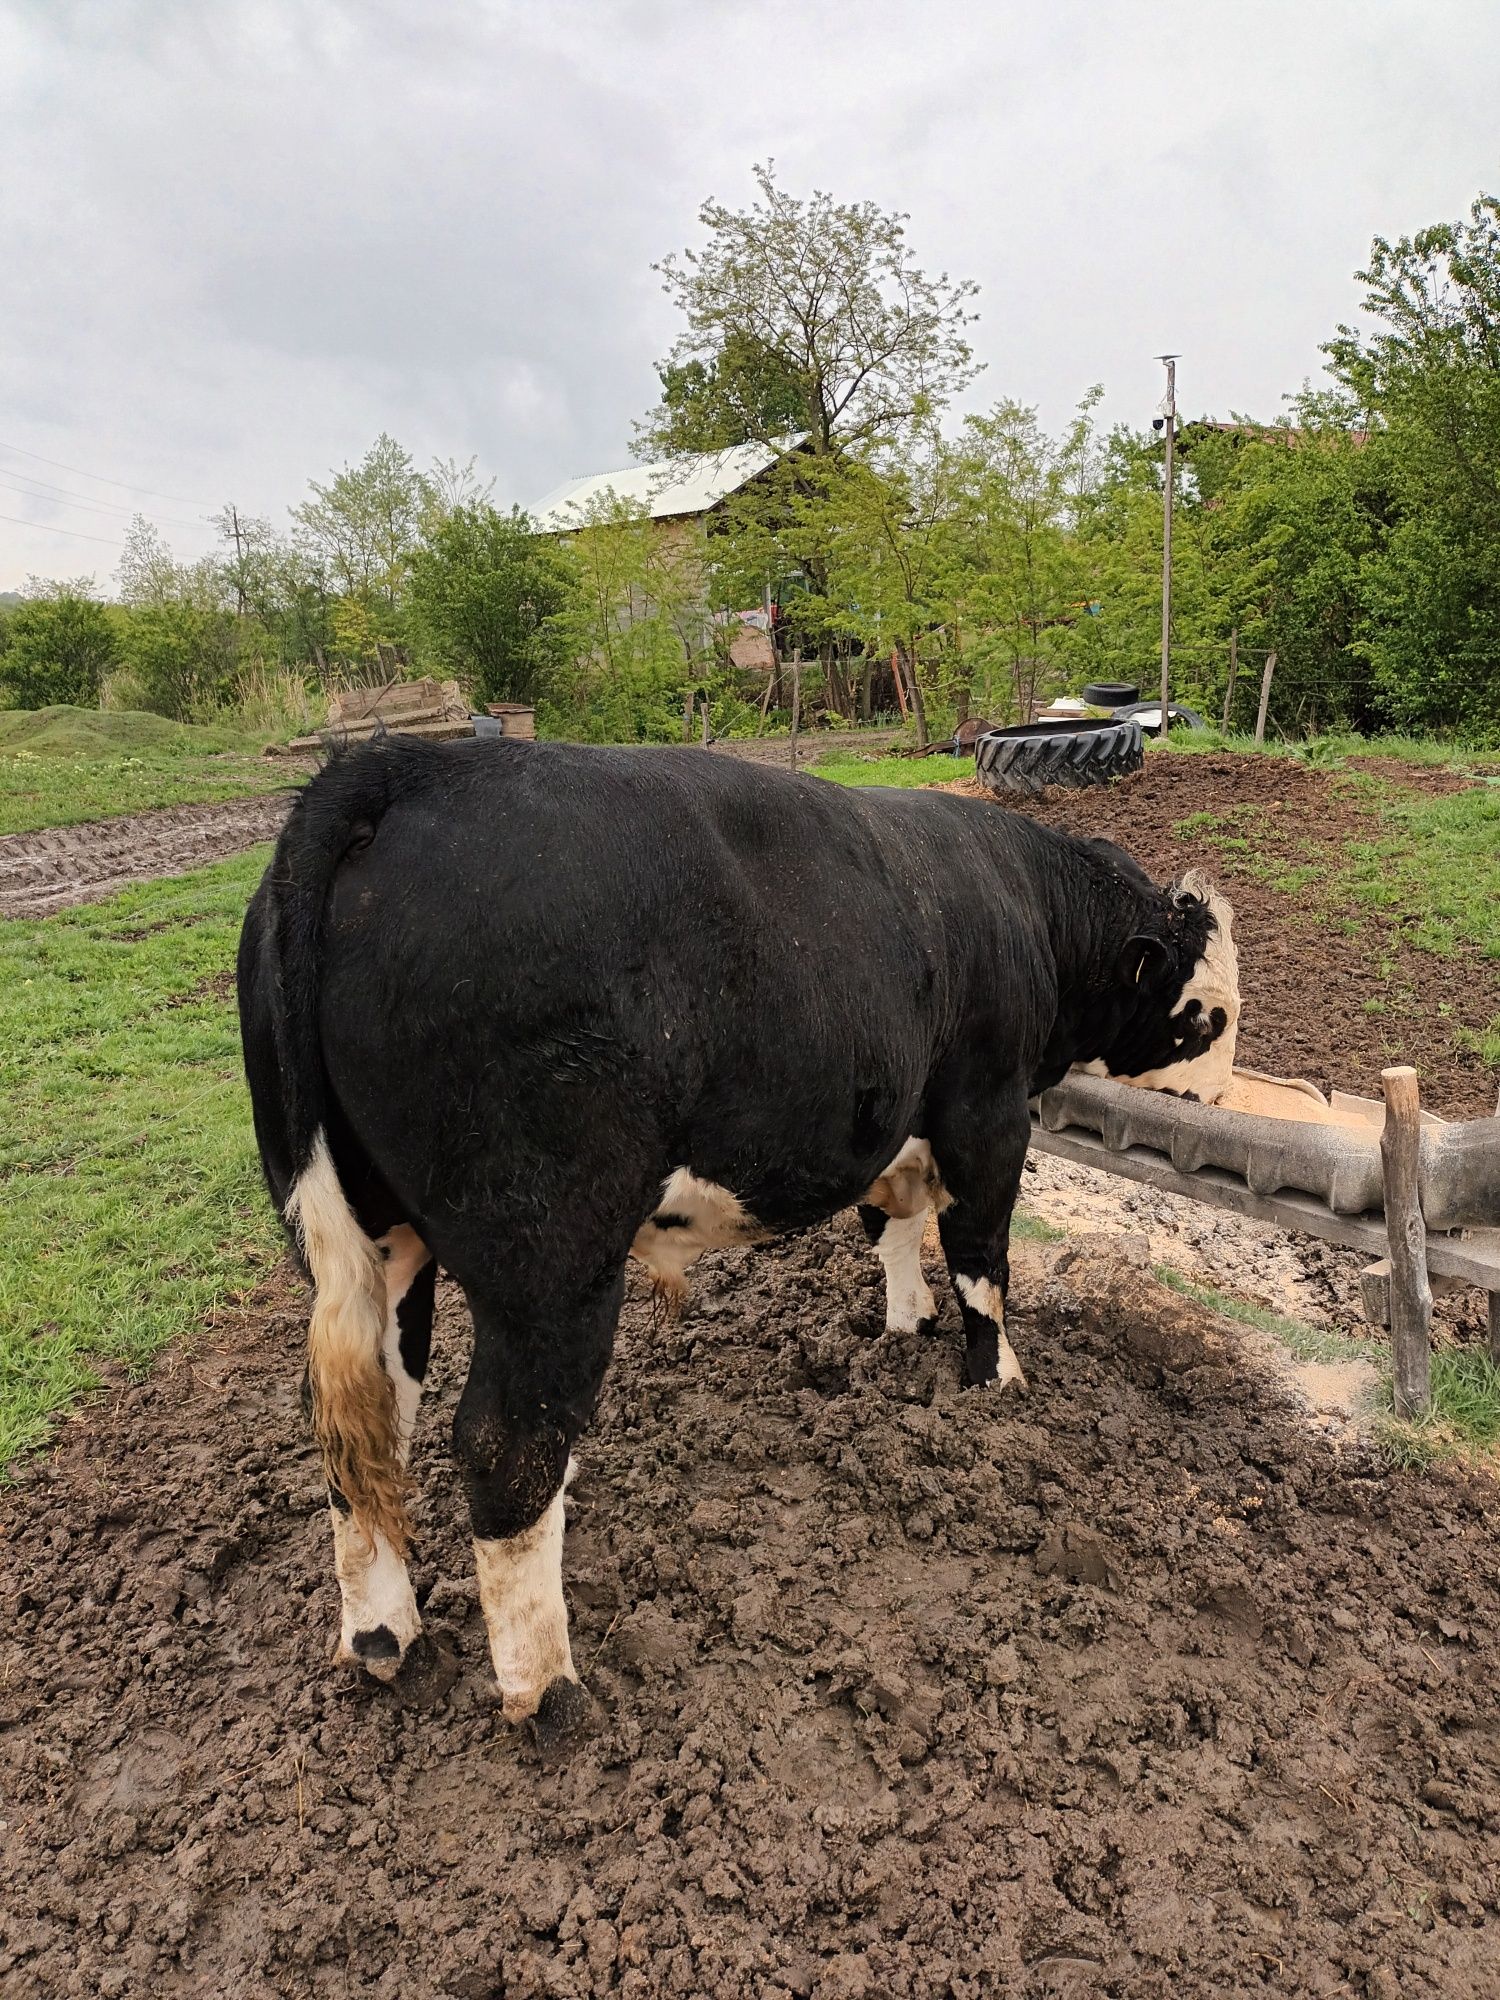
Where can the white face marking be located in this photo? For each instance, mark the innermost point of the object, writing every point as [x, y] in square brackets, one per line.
[1214, 982]
[908, 1297]
[520, 1589]
[706, 1216]
[374, 1586]
[982, 1296]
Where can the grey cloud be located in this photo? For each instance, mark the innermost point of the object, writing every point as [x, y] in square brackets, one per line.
[239, 243]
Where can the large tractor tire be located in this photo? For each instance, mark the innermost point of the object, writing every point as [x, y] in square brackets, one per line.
[1038, 754]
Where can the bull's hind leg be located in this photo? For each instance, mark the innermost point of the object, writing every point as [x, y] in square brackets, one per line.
[541, 1346]
[894, 1213]
[979, 1141]
[379, 1617]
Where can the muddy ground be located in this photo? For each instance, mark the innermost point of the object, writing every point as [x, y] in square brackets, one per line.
[63, 865]
[1136, 1686]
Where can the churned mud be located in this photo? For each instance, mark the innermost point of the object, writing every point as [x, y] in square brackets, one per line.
[62, 865]
[1135, 1686]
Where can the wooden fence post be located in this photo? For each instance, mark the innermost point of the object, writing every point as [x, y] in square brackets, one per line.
[1411, 1295]
[1265, 697]
[796, 699]
[1234, 674]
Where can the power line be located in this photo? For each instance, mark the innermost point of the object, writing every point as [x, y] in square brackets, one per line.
[176, 499]
[57, 496]
[47, 529]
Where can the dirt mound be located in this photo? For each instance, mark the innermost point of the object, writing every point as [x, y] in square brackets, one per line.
[46, 871]
[1131, 1687]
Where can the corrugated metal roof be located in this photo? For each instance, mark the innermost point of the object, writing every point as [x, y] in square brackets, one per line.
[671, 486]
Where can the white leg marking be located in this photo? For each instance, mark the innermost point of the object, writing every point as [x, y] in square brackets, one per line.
[376, 1591]
[908, 1297]
[374, 1583]
[980, 1296]
[692, 1216]
[520, 1589]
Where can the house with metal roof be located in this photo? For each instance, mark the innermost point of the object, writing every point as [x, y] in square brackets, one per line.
[672, 489]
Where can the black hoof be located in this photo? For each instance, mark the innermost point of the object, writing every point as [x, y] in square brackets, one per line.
[926, 1328]
[427, 1674]
[377, 1647]
[562, 1717]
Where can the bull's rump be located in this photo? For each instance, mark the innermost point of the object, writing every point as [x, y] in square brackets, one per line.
[725, 968]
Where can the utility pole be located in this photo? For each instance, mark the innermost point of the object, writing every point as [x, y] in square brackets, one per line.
[1169, 412]
[239, 556]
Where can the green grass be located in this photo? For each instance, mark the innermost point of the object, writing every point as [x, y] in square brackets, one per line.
[847, 767]
[128, 1172]
[1302, 1342]
[1435, 867]
[1330, 752]
[1464, 1422]
[62, 766]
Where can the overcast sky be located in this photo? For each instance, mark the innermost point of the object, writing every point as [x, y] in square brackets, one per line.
[240, 242]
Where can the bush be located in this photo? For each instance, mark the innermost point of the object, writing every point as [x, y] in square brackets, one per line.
[182, 658]
[59, 648]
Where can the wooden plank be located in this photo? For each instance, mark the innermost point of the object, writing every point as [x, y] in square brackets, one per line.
[1406, 1233]
[1473, 1258]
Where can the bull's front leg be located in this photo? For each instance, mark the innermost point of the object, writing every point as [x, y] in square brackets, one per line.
[379, 1619]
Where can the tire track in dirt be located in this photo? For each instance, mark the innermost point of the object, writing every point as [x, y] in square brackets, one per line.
[59, 866]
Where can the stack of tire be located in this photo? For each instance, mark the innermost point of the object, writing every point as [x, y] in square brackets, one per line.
[1074, 751]
[1086, 751]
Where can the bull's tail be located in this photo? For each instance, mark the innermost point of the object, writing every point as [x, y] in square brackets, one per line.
[280, 978]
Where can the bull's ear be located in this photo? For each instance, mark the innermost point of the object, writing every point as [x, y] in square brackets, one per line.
[1144, 961]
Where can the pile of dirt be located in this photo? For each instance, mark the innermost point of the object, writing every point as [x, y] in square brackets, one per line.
[1305, 979]
[1130, 1687]
[63, 865]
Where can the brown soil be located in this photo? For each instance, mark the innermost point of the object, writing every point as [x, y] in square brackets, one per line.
[1133, 1687]
[63, 865]
[1304, 979]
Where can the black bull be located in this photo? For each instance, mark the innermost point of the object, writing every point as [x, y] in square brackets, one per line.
[522, 1010]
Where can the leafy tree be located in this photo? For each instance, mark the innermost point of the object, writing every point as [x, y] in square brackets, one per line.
[61, 645]
[1427, 383]
[896, 569]
[807, 315]
[1025, 584]
[366, 523]
[633, 628]
[484, 597]
[181, 641]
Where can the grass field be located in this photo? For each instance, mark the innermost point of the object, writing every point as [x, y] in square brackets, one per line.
[61, 766]
[130, 1183]
[848, 767]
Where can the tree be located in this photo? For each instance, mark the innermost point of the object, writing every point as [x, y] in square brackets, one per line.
[181, 640]
[894, 572]
[484, 596]
[366, 525]
[1426, 386]
[634, 627]
[809, 316]
[61, 645]
[1025, 586]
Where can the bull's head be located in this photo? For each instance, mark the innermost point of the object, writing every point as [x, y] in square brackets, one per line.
[1177, 1001]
